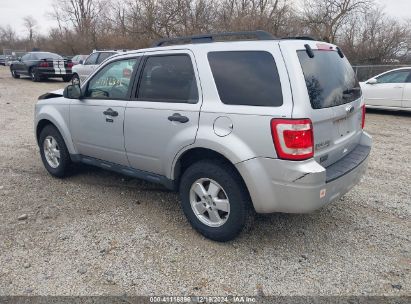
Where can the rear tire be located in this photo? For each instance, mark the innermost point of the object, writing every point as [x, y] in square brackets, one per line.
[53, 151]
[67, 78]
[215, 174]
[14, 74]
[34, 75]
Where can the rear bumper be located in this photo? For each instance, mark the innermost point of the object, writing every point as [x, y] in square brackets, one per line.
[299, 187]
[51, 72]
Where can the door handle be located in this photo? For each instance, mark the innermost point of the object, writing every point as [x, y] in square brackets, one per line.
[110, 112]
[398, 87]
[178, 117]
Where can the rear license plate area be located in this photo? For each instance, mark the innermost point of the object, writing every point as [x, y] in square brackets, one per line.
[343, 125]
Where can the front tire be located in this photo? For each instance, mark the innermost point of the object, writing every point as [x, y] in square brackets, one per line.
[67, 78]
[53, 151]
[14, 74]
[215, 200]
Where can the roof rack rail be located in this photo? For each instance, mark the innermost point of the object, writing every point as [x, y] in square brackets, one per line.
[204, 38]
[298, 38]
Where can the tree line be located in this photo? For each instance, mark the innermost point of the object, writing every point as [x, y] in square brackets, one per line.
[360, 27]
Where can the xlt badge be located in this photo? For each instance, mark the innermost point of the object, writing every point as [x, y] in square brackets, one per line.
[322, 145]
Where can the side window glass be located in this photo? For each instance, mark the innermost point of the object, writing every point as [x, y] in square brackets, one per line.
[394, 77]
[246, 78]
[26, 57]
[91, 59]
[104, 56]
[112, 81]
[168, 78]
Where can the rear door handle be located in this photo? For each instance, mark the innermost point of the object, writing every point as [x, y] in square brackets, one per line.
[398, 87]
[110, 112]
[178, 117]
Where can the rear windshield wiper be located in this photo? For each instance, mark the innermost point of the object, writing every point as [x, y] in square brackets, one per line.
[353, 90]
[349, 92]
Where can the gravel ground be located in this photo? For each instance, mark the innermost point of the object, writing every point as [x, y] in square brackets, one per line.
[101, 233]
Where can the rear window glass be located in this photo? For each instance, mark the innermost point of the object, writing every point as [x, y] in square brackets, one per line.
[330, 79]
[46, 56]
[246, 78]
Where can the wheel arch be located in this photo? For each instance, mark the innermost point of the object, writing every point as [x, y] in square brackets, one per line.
[41, 125]
[59, 124]
[195, 154]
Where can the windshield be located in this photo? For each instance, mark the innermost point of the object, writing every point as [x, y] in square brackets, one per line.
[47, 56]
[330, 79]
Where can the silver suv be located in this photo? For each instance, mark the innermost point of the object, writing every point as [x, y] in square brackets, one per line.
[237, 127]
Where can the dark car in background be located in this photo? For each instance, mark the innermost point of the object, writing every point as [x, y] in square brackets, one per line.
[42, 65]
[2, 60]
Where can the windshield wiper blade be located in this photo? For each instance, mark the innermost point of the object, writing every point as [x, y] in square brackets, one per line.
[351, 91]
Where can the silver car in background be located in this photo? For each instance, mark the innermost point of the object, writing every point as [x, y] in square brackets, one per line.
[237, 127]
[87, 66]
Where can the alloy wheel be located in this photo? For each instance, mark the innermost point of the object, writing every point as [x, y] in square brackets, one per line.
[51, 151]
[209, 202]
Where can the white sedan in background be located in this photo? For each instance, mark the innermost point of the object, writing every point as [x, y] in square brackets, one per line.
[389, 90]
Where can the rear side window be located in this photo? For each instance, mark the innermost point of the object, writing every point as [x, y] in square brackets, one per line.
[168, 78]
[246, 78]
[330, 79]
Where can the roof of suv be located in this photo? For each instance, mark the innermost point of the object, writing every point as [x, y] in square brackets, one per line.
[200, 41]
[110, 51]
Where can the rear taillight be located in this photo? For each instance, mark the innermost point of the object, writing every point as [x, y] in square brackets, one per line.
[363, 116]
[293, 138]
[69, 64]
[44, 64]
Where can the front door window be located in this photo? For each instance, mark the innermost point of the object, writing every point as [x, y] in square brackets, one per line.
[113, 81]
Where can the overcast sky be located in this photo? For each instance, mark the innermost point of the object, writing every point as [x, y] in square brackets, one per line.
[13, 11]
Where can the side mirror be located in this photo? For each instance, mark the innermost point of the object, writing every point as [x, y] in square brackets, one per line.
[372, 81]
[18, 58]
[81, 61]
[72, 91]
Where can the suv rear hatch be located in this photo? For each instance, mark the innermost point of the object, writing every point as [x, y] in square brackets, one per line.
[325, 89]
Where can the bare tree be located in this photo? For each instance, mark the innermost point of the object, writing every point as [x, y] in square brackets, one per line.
[7, 36]
[325, 18]
[374, 38]
[270, 15]
[83, 16]
[366, 35]
[30, 24]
